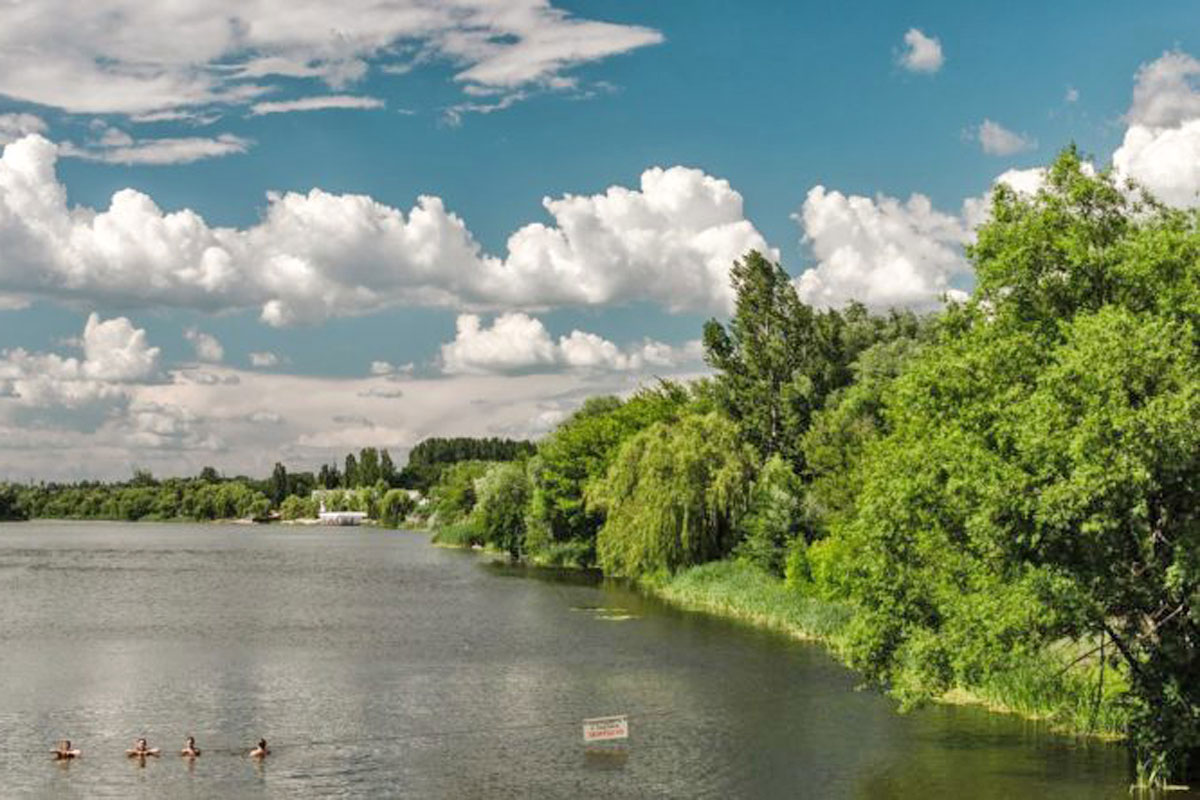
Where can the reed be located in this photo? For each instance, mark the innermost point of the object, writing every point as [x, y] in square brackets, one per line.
[1052, 686]
[742, 591]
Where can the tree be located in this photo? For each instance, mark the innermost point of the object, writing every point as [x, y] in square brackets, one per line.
[774, 516]
[673, 496]
[580, 451]
[277, 486]
[368, 467]
[454, 496]
[779, 359]
[1036, 471]
[328, 477]
[350, 473]
[394, 507]
[503, 493]
[387, 470]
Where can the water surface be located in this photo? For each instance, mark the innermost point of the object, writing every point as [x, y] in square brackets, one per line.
[380, 666]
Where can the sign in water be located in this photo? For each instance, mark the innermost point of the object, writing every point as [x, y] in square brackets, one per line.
[603, 729]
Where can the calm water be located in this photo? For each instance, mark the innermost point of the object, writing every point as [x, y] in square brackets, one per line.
[380, 666]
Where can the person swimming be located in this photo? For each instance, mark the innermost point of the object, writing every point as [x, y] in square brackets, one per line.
[261, 751]
[141, 749]
[189, 748]
[64, 751]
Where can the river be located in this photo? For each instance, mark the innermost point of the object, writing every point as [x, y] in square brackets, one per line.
[377, 665]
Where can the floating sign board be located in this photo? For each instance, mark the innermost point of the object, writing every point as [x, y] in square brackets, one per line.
[603, 729]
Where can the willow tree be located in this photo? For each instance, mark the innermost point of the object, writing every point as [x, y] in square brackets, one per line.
[673, 496]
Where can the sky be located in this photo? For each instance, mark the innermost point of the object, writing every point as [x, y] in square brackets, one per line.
[233, 233]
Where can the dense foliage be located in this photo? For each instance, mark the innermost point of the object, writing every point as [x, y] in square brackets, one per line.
[1001, 497]
[144, 498]
[431, 457]
[673, 496]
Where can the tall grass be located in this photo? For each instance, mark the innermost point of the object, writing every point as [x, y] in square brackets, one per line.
[461, 534]
[742, 591]
[1049, 687]
[1072, 698]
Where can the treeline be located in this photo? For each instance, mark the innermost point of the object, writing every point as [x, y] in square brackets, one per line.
[429, 459]
[1003, 491]
[368, 482]
[142, 498]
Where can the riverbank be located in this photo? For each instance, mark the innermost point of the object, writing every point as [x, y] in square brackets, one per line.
[1058, 688]
[1054, 688]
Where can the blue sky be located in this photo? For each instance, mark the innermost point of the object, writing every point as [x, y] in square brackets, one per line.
[489, 110]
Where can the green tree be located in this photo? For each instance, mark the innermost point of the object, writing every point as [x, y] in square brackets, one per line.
[773, 361]
[394, 507]
[673, 496]
[277, 486]
[454, 497]
[1035, 474]
[350, 473]
[503, 503]
[368, 466]
[387, 469]
[579, 451]
[774, 516]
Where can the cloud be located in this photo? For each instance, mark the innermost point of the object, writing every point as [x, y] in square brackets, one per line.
[881, 251]
[166, 427]
[1072, 95]
[921, 53]
[117, 147]
[319, 255]
[115, 57]
[15, 126]
[206, 378]
[206, 345]
[1161, 147]
[263, 359]
[388, 391]
[176, 428]
[115, 356]
[996, 140]
[517, 342]
[321, 103]
[1165, 91]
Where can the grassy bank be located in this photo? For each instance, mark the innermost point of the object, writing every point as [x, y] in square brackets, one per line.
[1050, 688]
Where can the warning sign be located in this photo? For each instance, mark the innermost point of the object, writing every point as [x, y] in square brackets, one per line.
[603, 729]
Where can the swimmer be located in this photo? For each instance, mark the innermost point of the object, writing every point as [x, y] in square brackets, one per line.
[189, 748]
[141, 749]
[64, 751]
[261, 751]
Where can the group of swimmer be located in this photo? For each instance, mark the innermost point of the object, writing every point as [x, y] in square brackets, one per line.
[142, 749]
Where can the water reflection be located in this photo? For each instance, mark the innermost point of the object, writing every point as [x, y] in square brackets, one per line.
[377, 665]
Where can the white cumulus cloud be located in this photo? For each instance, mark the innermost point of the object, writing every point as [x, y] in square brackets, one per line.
[516, 342]
[263, 359]
[319, 255]
[879, 251]
[921, 53]
[115, 356]
[1161, 147]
